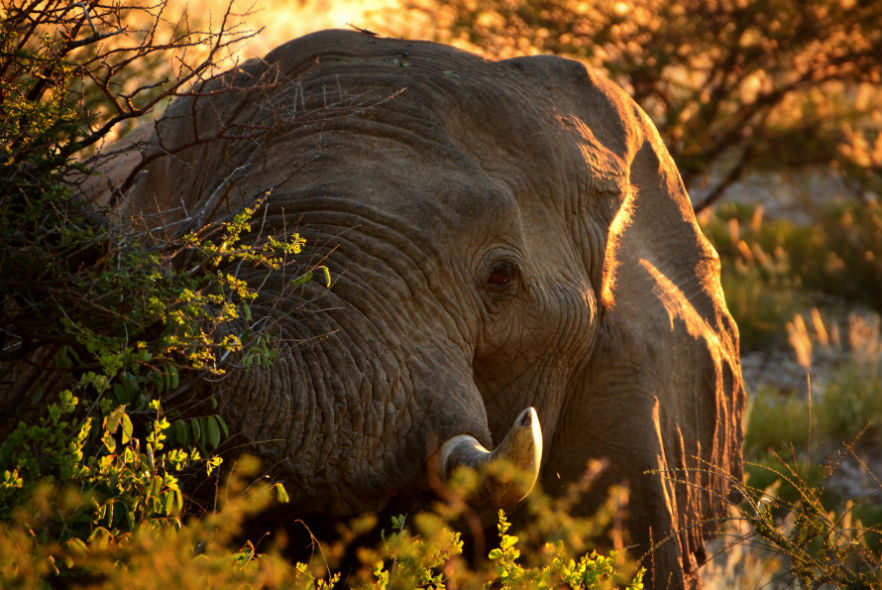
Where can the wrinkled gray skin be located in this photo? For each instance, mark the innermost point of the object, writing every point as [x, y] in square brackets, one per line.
[500, 235]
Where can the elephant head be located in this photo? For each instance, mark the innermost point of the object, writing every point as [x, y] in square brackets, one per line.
[502, 236]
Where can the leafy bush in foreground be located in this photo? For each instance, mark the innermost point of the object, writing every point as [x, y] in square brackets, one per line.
[208, 552]
[98, 326]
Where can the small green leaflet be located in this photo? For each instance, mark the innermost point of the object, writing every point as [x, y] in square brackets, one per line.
[212, 431]
[309, 275]
[281, 493]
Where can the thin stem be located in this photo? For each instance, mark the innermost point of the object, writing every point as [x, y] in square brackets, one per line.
[808, 384]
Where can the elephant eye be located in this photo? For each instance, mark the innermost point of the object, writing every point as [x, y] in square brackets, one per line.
[499, 276]
[502, 274]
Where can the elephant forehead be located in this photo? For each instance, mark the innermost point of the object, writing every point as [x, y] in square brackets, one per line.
[436, 135]
[534, 118]
[434, 191]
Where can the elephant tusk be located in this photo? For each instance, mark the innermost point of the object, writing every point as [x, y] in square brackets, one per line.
[521, 447]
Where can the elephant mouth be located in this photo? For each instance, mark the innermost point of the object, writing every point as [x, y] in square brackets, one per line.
[509, 472]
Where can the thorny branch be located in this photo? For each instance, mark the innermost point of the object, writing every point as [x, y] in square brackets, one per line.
[121, 40]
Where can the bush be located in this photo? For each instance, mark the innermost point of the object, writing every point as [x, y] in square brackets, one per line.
[793, 536]
[847, 403]
[164, 553]
[209, 551]
[97, 325]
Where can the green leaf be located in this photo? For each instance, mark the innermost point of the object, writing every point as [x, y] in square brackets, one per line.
[508, 541]
[197, 431]
[76, 545]
[281, 493]
[181, 432]
[62, 358]
[308, 276]
[112, 421]
[37, 395]
[126, 428]
[171, 378]
[223, 425]
[169, 503]
[122, 393]
[109, 442]
[155, 487]
[327, 274]
[212, 431]
[398, 521]
[302, 278]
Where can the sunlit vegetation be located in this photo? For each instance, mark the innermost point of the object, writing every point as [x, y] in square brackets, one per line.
[805, 291]
[95, 463]
[422, 551]
[97, 327]
[811, 514]
[776, 268]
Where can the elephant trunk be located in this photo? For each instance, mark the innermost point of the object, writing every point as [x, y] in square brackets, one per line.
[521, 448]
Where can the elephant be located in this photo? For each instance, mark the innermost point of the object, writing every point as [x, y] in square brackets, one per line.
[515, 266]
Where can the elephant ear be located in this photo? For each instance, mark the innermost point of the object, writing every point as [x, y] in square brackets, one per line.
[675, 373]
